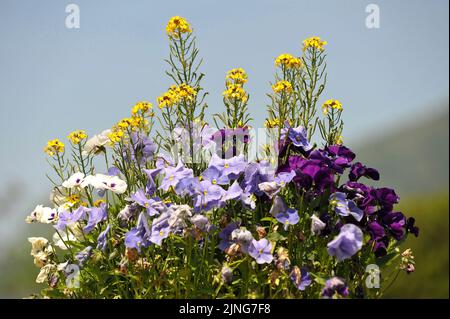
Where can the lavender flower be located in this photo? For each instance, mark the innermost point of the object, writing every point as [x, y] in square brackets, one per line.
[102, 239]
[173, 176]
[67, 218]
[301, 278]
[150, 205]
[83, 256]
[96, 215]
[288, 217]
[231, 167]
[298, 137]
[261, 251]
[347, 243]
[344, 207]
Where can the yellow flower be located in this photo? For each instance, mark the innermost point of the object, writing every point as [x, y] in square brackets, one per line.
[340, 140]
[314, 42]
[167, 99]
[185, 91]
[77, 136]
[53, 147]
[237, 76]
[272, 123]
[176, 26]
[288, 61]
[235, 91]
[282, 86]
[74, 199]
[331, 104]
[99, 202]
[125, 123]
[116, 135]
[142, 107]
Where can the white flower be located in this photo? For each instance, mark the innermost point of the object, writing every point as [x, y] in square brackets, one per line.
[270, 188]
[179, 215]
[45, 271]
[37, 244]
[75, 180]
[317, 225]
[41, 259]
[96, 143]
[41, 214]
[66, 237]
[107, 182]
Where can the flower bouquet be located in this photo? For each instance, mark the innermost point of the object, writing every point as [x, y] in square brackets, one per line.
[164, 205]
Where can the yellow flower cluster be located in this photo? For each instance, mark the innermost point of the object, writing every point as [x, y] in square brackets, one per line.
[237, 76]
[141, 108]
[314, 42]
[54, 147]
[235, 91]
[175, 94]
[282, 86]
[176, 26]
[288, 61]
[116, 135]
[77, 136]
[272, 123]
[331, 104]
[73, 199]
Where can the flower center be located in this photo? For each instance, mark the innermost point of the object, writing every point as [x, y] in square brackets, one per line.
[226, 165]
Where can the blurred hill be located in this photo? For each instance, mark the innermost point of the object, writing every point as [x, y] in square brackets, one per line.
[413, 158]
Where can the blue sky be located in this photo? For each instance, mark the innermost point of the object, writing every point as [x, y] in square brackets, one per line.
[54, 80]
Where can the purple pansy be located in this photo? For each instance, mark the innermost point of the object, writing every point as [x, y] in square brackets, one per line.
[225, 235]
[347, 243]
[215, 176]
[358, 170]
[261, 251]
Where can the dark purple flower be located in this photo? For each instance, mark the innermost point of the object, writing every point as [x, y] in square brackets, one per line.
[358, 170]
[347, 243]
[334, 285]
[411, 228]
[386, 197]
[396, 224]
[261, 251]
